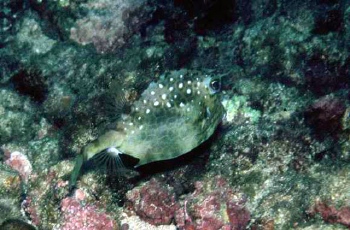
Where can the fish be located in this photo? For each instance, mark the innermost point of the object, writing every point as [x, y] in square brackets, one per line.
[171, 117]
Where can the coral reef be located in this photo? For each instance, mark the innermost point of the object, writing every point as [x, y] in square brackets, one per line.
[213, 205]
[17, 117]
[331, 214]
[109, 24]
[153, 202]
[19, 162]
[279, 160]
[325, 74]
[12, 224]
[134, 222]
[325, 115]
[32, 35]
[45, 190]
[48, 203]
[77, 216]
[10, 193]
[31, 83]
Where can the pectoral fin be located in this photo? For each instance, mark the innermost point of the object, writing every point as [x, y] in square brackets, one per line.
[110, 138]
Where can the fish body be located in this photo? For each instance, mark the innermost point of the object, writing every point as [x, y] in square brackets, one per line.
[171, 117]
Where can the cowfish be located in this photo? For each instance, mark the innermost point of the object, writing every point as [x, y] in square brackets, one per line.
[172, 116]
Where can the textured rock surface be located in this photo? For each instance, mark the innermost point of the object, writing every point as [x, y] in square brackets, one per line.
[153, 202]
[109, 24]
[213, 205]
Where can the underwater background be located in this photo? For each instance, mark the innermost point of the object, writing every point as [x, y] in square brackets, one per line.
[279, 159]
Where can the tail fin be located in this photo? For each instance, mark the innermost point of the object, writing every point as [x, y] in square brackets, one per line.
[76, 171]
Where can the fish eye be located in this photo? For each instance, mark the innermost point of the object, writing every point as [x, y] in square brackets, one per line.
[215, 85]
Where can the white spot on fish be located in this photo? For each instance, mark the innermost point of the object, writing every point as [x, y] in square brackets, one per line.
[132, 132]
[171, 88]
[148, 111]
[141, 127]
[137, 109]
[188, 109]
[171, 79]
[175, 96]
[168, 104]
[181, 85]
[181, 76]
[139, 118]
[131, 124]
[156, 103]
[144, 101]
[188, 91]
[198, 92]
[160, 86]
[182, 104]
[152, 93]
[163, 96]
[114, 151]
[189, 82]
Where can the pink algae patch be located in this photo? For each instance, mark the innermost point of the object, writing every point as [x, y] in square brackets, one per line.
[19, 162]
[84, 217]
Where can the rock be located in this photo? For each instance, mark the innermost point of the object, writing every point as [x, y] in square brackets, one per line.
[153, 202]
